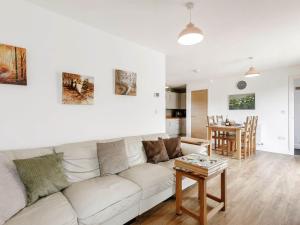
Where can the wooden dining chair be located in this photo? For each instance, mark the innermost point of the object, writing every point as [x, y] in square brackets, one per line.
[227, 144]
[219, 119]
[245, 142]
[246, 138]
[211, 121]
[253, 135]
[221, 135]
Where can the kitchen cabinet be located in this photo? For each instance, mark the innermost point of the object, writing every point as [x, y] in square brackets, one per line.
[175, 100]
[182, 102]
[172, 100]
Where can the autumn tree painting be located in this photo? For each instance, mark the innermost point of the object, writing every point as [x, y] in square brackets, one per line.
[77, 89]
[12, 65]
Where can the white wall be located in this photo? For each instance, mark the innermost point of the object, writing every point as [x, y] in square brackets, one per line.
[33, 115]
[297, 115]
[272, 105]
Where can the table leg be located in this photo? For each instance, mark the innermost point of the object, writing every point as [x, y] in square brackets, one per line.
[238, 143]
[209, 137]
[202, 202]
[178, 192]
[223, 189]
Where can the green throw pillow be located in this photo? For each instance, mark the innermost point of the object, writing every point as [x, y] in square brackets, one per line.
[42, 175]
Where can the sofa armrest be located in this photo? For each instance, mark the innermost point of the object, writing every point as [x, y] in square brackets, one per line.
[189, 149]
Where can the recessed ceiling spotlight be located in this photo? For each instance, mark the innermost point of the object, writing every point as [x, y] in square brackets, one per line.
[196, 70]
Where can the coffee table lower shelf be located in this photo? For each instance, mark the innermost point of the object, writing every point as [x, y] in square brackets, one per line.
[203, 215]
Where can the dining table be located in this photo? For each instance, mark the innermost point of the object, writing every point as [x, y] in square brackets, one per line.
[237, 129]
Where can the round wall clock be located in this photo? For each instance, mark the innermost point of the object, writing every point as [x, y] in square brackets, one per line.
[241, 85]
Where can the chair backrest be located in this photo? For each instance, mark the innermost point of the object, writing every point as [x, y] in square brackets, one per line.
[248, 126]
[220, 119]
[211, 120]
[254, 125]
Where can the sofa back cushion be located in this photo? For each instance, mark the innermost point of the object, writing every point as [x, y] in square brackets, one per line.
[12, 190]
[154, 137]
[28, 153]
[80, 160]
[135, 151]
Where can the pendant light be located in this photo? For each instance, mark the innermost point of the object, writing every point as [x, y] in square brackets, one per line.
[191, 34]
[252, 72]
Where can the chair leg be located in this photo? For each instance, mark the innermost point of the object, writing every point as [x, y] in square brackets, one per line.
[228, 147]
[254, 145]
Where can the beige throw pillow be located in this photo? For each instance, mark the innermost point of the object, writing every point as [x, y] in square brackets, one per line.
[112, 157]
[12, 190]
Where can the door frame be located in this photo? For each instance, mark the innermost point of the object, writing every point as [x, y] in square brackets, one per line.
[292, 113]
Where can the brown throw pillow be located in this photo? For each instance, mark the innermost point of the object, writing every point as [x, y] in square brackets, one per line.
[173, 146]
[155, 151]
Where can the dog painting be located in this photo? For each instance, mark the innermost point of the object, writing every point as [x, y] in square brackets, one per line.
[77, 89]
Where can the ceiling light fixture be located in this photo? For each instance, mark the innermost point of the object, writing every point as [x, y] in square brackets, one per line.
[252, 72]
[191, 34]
[196, 70]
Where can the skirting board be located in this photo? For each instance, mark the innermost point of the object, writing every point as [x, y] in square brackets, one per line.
[297, 146]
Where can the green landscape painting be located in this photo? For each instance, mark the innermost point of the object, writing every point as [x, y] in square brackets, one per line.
[242, 102]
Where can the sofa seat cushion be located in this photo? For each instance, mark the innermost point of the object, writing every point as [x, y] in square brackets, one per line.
[168, 164]
[152, 178]
[52, 210]
[99, 199]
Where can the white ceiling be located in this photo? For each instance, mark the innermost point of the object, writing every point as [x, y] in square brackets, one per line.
[268, 30]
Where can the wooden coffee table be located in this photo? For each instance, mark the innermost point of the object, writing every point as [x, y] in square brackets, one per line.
[200, 168]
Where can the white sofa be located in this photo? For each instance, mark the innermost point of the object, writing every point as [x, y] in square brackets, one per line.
[94, 200]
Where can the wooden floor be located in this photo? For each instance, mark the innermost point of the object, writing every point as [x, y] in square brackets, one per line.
[262, 190]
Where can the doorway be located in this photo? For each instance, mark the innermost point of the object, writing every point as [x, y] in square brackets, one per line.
[297, 117]
[199, 110]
